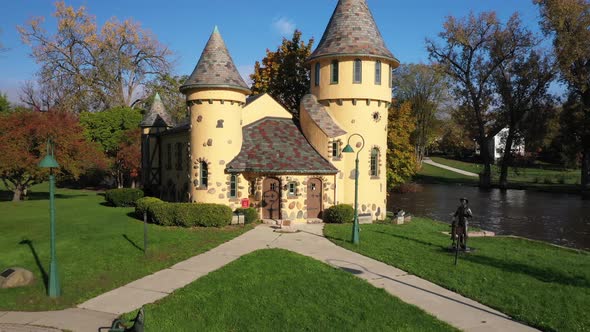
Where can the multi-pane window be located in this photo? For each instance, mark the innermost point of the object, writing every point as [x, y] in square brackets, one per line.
[204, 174]
[179, 156]
[233, 186]
[378, 72]
[374, 162]
[334, 72]
[358, 71]
[168, 156]
[335, 149]
[292, 188]
[317, 74]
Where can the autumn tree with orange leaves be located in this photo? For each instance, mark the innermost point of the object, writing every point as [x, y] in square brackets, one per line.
[23, 138]
[85, 67]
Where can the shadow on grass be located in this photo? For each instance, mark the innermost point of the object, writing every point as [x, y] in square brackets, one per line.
[430, 244]
[6, 195]
[132, 243]
[544, 275]
[44, 274]
[420, 178]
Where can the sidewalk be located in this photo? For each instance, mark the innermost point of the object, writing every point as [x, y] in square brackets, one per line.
[449, 168]
[450, 307]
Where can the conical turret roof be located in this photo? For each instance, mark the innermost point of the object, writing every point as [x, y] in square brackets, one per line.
[352, 31]
[157, 116]
[215, 68]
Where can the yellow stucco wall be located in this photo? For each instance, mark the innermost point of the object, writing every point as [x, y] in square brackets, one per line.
[263, 106]
[345, 88]
[216, 138]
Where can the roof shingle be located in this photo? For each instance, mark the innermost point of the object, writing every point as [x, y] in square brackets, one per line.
[352, 31]
[321, 117]
[277, 146]
[215, 68]
[157, 116]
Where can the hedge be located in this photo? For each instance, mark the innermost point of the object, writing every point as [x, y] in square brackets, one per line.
[339, 214]
[142, 204]
[123, 197]
[250, 214]
[184, 214]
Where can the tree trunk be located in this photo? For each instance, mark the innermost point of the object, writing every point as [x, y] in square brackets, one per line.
[506, 159]
[585, 176]
[17, 193]
[485, 178]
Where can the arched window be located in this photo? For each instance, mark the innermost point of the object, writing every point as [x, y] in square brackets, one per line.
[233, 186]
[204, 174]
[374, 162]
[334, 72]
[390, 79]
[358, 71]
[317, 74]
[378, 72]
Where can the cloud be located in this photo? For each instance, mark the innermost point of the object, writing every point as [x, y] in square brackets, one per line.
[283, 25]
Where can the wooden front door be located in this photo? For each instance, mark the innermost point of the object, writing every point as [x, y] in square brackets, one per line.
[314, 198]
[271, 199]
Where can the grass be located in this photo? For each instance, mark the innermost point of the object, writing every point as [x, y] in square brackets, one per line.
[530, 176]
[539, 284]
[277, 290]
[99, 248]
[433, 174]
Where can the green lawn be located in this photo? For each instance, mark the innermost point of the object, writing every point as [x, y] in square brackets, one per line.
[277, 290]
[433, 174]
[540, 284]
[98, 247]
[537, 176]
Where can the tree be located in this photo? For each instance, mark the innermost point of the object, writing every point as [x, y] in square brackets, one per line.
[128, 159]
[522, 86]
[426, 88]
[4, 104]
[568, 21]
[23, 137]
[473, 50]
[401, 159]
[283, 74]
[110, 129]
[87, 68]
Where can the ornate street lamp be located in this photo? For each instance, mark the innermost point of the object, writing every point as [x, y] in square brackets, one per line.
[50, 162]
[349, 149]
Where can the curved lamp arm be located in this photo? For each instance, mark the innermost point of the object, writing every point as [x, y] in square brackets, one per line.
[362, 146]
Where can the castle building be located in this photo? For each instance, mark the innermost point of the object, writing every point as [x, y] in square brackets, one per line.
[239, 150]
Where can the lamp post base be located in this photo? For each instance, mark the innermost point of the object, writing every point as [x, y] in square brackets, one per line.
[53, 283]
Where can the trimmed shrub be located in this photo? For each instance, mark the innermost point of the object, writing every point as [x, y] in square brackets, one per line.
[339, 214]
[212, 215]
[123, 197]
[142, 204]
[162, 213]
[250, 214]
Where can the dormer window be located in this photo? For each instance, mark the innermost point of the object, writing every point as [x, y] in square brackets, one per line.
[358, 72]
[317, 74]
[334, 72]
[378, 73]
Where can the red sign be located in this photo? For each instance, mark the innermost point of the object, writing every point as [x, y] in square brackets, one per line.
[245, 203]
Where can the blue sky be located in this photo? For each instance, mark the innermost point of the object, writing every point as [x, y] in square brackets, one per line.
[248, 27]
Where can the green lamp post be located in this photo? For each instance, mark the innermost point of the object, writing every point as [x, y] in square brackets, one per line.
[50, 162]
[349, 149]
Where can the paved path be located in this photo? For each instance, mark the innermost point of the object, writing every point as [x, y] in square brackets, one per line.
[452, 169]
[450, 307]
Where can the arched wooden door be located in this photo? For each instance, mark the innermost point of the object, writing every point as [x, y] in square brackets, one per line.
[314, 198]
[271, 199]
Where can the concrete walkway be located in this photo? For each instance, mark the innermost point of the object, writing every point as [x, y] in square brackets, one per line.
[450, 307]
[452, 169]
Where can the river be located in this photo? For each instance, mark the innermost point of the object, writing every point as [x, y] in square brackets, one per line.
[561, 219]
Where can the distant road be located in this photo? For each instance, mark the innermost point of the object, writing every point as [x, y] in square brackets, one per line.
[452, 169]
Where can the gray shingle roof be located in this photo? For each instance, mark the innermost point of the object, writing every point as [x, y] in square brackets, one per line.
[157, 116]
[320, 116]
[352, 31]
[277, 146]
[215, 68]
